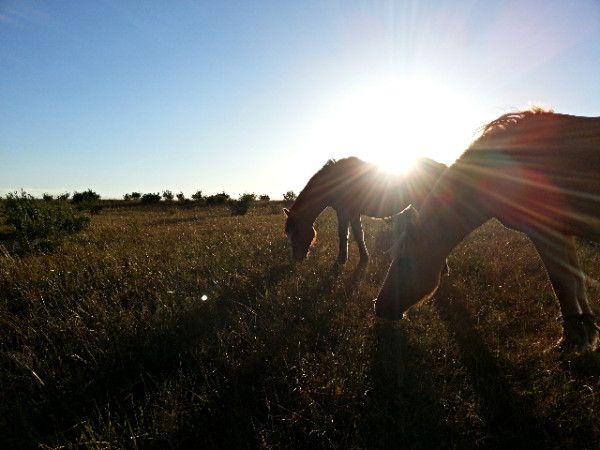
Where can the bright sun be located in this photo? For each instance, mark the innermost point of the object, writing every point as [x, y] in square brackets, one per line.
[392, 122]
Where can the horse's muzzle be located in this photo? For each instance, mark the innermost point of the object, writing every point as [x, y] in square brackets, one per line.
[387, 310]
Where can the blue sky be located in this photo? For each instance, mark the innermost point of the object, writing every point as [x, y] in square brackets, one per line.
[255, 96]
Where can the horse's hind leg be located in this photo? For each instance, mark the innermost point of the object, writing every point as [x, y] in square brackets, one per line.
[359, 235]
[560, 258]
[588, 318]
[343, 222]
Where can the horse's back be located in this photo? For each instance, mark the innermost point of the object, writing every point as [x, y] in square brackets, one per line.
[364, 188]
[543, 172]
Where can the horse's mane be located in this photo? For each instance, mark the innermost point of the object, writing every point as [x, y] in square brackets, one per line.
[502, 124]
[327, 167]
[324, 172]
[508, 120]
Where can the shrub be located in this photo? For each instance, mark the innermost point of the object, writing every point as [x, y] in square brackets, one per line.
[241, 206]
[168, 195]
[238, 207]
[127, 197]
[197, 196]
[151, 198]
[85, 196]
[217, 199]
[181, 197]
[64, 197]
[248, 198]
[289, 197]
[264, 198]
[136, 195]
[39, 224]
[87, 201]
[47, 197]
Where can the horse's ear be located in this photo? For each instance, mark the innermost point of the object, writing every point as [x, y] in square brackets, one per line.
[405, 220]
[412, 215]
[286, 211]
[446, 269]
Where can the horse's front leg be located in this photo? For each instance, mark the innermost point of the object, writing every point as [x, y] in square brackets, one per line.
[559, 255]
[359, 235]
[343, 222]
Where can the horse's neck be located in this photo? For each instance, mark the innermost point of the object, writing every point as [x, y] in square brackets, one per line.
[448, 215]
[309, 205]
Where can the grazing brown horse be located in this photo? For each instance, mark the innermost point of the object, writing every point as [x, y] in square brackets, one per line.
[537, 172]
[353, 187]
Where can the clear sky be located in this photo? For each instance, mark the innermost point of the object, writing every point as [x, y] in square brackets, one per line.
[252, 96]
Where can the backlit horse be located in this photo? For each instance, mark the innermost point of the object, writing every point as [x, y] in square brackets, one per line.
[537, 172]
[353, 187]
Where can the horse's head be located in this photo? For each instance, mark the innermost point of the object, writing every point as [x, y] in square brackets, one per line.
[411, 276]
[300, 233]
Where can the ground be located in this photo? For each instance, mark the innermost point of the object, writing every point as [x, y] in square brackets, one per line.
[176, 327]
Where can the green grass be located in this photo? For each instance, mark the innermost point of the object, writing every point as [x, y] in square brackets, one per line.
[107, 342]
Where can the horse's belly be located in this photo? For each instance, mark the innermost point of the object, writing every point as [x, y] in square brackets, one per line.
[549, 211]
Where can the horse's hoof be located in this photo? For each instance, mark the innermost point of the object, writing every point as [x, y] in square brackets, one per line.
[591, 331]
[566, 348]
[580, 334]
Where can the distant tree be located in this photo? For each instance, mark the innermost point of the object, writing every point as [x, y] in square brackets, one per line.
[136, 195]
[85, 196]
[47, 197]
[127, 197]
[168, 195]
[289, 196]
[217, 199]
[197, 196]
[151, 198]
[64, 197]
[87, 201]
[181, 197]
[241, 206]
[264, 198]
[249, 198]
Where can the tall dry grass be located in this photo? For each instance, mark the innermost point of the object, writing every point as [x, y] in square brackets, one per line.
[109, 343]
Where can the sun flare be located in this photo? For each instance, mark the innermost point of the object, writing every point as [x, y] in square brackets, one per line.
[393, 122]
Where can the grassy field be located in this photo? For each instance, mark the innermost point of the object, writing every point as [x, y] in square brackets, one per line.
[166, 327]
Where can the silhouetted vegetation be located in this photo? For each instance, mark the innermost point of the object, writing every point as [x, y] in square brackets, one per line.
[289, 197]
[241, 206]
[168, 195]
[150, 198]
[85, 196]
[134, 196]
[87, 201]
[40, 225]
[217, 199]
[197, 196]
